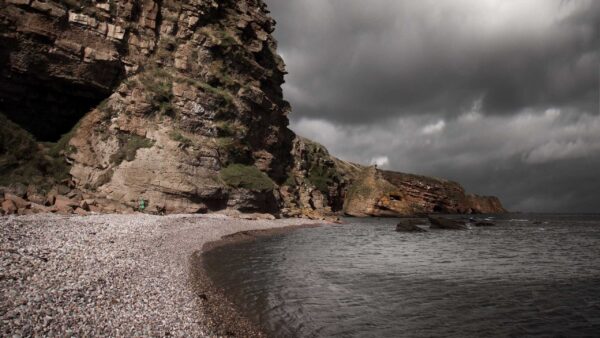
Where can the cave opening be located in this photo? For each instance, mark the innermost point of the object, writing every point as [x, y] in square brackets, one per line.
[46, 91]
[49, 108]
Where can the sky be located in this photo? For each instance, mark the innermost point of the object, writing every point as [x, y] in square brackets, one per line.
[501, 96]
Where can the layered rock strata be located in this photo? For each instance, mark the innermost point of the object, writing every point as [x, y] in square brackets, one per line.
[176, 106]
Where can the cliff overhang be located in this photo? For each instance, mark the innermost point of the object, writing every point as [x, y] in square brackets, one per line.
[175, 106]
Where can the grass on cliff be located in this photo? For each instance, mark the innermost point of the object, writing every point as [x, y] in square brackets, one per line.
[233, 150]
[359, 189]
[322, 177]
[129, 145]
[218, 92]
[290, 180]
[369, 184]
[220, 36]
[247, 177]
[23, 160]
[227, 128]
[159, 84]
[178, 137]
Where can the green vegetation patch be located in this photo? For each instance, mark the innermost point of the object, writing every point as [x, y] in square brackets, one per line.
[290, 181]
[320, 173]
[218, 92]
[178, 137]
[158, 84]
[369, 184]
[247, 177]
[234, 150]
[129, 145]
[360, 189]
[230, 129]
[62, 146]
[23, 160]
[322, 177]
[220, 36]
[222, 73]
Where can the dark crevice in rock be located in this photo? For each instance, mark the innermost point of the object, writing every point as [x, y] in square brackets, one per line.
[47, 108]
[136, 10]
[158, 24]
[44, 101]
[46, 90]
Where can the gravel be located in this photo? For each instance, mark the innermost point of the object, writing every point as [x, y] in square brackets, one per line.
[108, 275]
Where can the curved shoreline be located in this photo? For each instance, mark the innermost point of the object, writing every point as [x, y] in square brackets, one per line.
[221, 315]
[110, 275]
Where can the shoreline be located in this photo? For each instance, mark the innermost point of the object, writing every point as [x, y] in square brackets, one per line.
[222, 316]
[113, 275]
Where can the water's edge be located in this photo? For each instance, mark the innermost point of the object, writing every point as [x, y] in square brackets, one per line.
[529, 275]
[221, 316]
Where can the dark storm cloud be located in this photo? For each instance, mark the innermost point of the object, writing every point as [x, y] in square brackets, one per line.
[356, 58]
[502, 96]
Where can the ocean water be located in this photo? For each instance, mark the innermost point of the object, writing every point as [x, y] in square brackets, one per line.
[529, 276]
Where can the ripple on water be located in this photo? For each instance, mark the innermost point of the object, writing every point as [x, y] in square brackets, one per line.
[364, 279]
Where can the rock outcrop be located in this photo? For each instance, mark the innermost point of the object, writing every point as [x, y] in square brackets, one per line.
[411, 225]
[447, 223]
[484, 224]
[385, 193]
[317, 183]
[485, 204]
[176, 104]
[165, 95]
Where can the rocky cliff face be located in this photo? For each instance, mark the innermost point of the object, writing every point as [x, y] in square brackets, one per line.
[167, 94]
[179, 104]
[386, 193]
[320, 184]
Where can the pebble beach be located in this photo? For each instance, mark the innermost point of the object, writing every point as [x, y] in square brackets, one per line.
[108, 275]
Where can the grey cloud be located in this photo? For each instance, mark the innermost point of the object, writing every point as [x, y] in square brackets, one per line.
[354, 60]
[502, 96]
[535, 161]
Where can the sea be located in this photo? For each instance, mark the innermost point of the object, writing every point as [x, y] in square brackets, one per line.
[530, 275]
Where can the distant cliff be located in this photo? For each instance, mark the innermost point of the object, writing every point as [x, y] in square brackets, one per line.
[177, 104]
[330, 184]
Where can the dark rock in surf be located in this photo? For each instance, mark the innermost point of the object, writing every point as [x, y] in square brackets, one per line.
[446, 223]
[484, 224]
[410, 225]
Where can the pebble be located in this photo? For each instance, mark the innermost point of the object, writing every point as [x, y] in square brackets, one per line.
[106, 275]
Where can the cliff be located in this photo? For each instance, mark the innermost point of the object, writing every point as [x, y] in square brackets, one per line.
[323, 184]
[177, 104]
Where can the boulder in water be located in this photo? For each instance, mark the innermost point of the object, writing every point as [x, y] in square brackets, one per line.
[484, 224]
[410, 225]
[446, 223]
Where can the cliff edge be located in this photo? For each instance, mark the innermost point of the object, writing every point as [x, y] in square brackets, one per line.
[176, 105]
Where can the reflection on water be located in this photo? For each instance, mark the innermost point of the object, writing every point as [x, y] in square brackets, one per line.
[364, 279]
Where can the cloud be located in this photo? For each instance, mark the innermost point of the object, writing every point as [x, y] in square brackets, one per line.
[531, 156]
[556, 150]
[352, 62]
[380, 161]
[502, 96]
[434, 128]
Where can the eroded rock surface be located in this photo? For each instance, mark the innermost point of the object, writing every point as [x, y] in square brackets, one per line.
[447, 223]
[164, 97]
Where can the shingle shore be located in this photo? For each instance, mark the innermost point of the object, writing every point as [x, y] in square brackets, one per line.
[108, 275]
